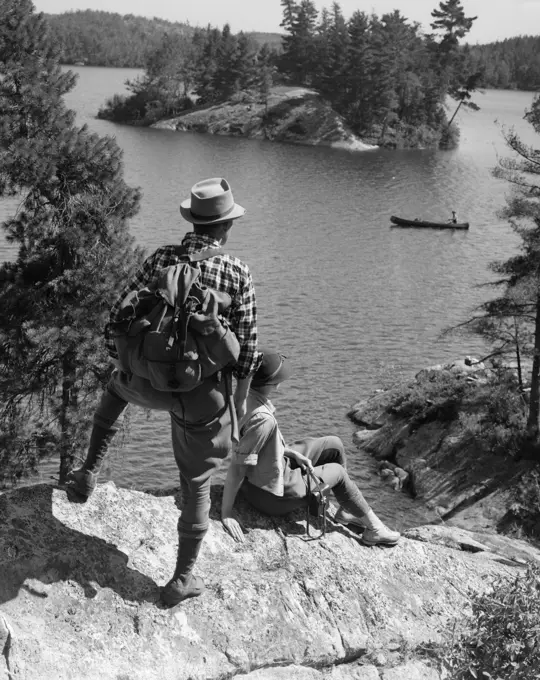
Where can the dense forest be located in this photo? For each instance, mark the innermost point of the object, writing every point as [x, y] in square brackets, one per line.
[510, 64]
[106, 39]
[97, 38]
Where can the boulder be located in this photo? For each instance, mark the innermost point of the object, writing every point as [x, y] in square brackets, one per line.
[79, 594]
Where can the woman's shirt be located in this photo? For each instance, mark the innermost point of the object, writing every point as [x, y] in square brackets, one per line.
[262, 447]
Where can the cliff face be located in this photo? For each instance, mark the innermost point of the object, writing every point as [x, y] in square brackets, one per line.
[296, 115]
[466, 485]
[79, 591]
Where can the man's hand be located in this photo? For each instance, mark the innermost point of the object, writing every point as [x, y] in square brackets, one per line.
[303, 461]
[234, 528]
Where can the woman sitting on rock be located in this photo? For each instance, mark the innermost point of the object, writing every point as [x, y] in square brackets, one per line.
[273, 475]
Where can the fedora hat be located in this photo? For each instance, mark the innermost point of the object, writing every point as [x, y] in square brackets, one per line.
[211, 201]
[273, 369]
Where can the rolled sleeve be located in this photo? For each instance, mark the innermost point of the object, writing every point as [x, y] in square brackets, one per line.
[255, 434]
[245, 325]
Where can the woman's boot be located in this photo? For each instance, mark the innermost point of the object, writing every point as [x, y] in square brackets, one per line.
[183, 583]
[375, 531]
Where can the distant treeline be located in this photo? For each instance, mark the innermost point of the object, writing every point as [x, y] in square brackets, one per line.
[107, 39]
[97, 38]
[510, 64]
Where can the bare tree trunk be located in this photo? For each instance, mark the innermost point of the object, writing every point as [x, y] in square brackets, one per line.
[518, 355]
[68, 407]
[534, 400]
[455, 113]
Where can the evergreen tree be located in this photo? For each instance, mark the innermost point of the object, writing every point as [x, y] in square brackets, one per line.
[450, 22]
[264, 73]
[74, 251]
[333, 64]
[305, 42]
[286, 61]
[298, 59]
[381, 100]
[225, 75]
[521, 273]
[359, 65]
[205, 81]
[245, 63]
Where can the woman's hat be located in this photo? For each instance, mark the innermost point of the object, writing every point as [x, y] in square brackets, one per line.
[274, 368]
[211, 202]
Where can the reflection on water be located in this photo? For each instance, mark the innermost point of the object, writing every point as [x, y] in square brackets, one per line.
[349, 298]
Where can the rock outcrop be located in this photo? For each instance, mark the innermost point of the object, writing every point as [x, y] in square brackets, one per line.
[467, 485]
[295, 115]
[79, 594]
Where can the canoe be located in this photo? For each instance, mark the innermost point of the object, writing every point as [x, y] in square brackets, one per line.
[403, 222]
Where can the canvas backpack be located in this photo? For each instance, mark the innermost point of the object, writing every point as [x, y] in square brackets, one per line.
[172, 332]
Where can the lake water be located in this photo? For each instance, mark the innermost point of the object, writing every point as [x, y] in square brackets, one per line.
[353, 302]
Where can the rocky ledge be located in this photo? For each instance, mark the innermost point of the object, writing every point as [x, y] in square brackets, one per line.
[79, 592]
[436, 455]
[296, 115]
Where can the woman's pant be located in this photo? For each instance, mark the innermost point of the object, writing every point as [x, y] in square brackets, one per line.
[329, 461]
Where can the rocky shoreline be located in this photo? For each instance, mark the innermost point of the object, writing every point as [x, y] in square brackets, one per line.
[293, 115]
[438, 459]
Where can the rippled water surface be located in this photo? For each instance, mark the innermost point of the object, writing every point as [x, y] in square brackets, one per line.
[353, 301]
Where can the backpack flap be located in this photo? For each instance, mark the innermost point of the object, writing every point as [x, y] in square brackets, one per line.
[181, 339]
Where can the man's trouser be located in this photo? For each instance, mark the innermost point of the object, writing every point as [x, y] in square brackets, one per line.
[201, 435]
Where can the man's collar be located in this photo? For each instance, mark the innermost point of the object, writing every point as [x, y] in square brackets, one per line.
[194, 239]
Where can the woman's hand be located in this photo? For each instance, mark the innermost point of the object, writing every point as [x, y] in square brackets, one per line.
[234, 528]
[241, 408]
[303, 461]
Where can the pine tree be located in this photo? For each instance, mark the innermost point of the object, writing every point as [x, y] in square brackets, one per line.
[298, 58]
[359, 63]
[225, 75]
[74, 250]
[287, 58]
[331, 66]
[245, 63]
[264, 73]
[451, 23]
[305, 42]
[205, 79]
[521, 273]
[511, 322]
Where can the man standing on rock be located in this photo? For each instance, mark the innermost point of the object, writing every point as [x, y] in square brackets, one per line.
[201, 420]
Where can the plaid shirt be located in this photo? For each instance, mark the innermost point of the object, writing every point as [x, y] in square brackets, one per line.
[223, 273]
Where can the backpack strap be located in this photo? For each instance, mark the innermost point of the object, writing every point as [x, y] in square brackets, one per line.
[181, 251]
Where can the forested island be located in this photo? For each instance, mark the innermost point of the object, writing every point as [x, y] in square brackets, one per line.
[387, 80]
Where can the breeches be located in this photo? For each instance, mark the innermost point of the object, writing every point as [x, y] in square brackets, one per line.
[201, 431]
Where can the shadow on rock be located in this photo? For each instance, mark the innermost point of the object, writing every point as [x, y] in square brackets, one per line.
[36, 549]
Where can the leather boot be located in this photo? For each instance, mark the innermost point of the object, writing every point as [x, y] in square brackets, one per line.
[183, 583]
[375, 532]
[80, 483]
